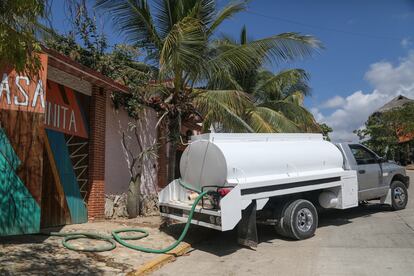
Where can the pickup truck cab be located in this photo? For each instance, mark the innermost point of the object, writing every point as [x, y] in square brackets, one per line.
[376, 176]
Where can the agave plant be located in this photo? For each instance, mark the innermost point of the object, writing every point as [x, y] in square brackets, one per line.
[179, 38]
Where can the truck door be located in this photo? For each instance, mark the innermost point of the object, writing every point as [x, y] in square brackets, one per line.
[368, 171]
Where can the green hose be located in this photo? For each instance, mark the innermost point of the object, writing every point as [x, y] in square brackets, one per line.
[186, 186]
[122, 240]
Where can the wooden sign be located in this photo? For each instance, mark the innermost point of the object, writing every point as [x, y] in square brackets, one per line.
[63, 112]
[21, 92]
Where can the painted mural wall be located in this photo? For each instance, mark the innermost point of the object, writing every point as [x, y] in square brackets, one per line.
[22, 108]
[43, 152]
[117, 161]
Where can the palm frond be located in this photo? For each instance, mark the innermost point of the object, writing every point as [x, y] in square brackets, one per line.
[296, 113]
[225, 107]
[277, 48]
[271, 87]
[203, 10]
[243, 35]
[224, 80]
[166, 16]
[134, 19]
[170, 12]
[227, 12]
[296, 98]
[264, 119]
[182, 48]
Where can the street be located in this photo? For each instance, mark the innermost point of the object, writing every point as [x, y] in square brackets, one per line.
[367, 240]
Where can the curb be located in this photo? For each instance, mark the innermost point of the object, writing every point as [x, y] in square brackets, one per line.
[161, 260]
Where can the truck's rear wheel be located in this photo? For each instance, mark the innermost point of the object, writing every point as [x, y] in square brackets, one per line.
[299, 220]
[399, 195]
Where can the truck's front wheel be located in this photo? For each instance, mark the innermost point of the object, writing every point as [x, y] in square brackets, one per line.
[399, 195]
[299, 220]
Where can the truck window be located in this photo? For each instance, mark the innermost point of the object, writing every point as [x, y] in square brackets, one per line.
[362, 155]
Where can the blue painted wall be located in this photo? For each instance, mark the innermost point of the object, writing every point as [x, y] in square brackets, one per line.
[19, 212]
[76, 205]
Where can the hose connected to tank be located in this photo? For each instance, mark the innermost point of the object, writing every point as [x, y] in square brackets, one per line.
[110, 240]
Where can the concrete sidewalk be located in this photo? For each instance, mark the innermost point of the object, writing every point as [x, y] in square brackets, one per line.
[40, 255]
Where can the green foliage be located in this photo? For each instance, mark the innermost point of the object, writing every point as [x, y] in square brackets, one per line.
[383, 131]
[18, 28]
[325, 131]
[121, 62]
[277, 99]
[179, 39]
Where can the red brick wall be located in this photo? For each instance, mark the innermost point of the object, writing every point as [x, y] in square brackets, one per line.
[96, 198]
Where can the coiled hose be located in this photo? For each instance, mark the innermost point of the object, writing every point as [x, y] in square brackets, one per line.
[110, 240]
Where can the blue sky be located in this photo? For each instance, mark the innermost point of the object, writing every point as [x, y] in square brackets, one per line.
[368, 57]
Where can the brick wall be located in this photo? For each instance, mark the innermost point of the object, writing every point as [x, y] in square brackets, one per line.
[96, 197]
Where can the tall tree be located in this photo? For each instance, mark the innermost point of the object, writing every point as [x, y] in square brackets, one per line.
[383, 131]
[178, 37]
[325, 131]
[19, 24]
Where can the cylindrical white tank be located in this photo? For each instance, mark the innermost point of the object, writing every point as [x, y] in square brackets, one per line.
[217, 159]
[328, 199]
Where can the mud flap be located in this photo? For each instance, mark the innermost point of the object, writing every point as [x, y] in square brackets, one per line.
[246, 229]
[387, 198]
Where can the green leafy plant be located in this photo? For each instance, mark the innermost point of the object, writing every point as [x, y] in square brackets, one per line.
[19, 25]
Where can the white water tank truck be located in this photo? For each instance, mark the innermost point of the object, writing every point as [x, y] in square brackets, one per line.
[279, 179]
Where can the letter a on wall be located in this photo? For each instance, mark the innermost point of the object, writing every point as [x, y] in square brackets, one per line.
[18, 91]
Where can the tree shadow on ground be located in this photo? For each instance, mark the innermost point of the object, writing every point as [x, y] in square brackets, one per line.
[29, 238]
[225, 243]
[32, 255]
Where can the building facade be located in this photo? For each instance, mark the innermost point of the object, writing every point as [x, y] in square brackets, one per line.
[61, 145]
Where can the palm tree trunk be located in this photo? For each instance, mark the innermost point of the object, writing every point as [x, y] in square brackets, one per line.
[162, 173]
[174, 132]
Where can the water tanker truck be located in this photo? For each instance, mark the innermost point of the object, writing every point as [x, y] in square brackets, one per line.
[279, 179]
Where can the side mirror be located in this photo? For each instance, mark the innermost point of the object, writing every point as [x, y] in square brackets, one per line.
[381, 160]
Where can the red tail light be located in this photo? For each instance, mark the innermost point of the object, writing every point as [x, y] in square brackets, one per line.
[223, 191]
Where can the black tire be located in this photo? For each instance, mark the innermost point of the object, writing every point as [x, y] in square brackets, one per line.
[299, 220]
[279, 225]
[399, 195]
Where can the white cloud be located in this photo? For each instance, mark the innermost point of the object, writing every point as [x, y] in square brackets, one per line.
[406, 42]
[351, 113]
[317, 114]
[334, 102]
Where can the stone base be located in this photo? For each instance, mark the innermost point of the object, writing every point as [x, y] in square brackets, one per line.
[116, 206]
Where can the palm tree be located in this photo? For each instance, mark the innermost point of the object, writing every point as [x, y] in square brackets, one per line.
[277, 99]
[178, 37]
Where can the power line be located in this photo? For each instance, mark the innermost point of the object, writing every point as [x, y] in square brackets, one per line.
[276, 18]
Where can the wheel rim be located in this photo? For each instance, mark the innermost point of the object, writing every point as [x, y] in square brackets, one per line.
[304, 219]
[399, 196]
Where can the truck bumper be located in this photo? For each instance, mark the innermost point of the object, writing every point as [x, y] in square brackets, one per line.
[202, 217]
